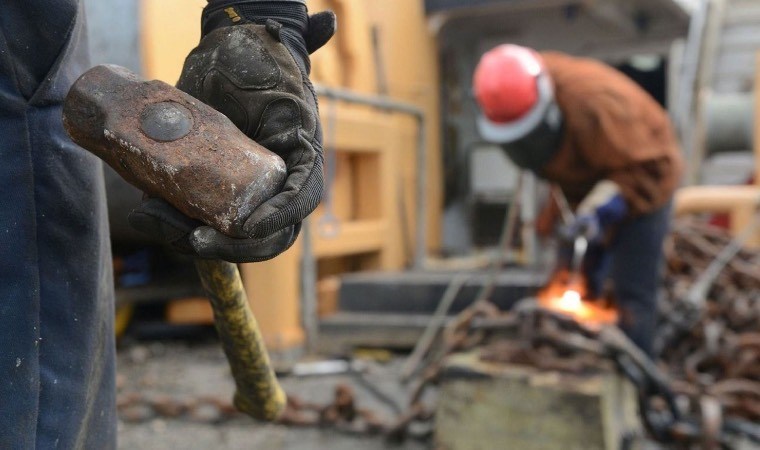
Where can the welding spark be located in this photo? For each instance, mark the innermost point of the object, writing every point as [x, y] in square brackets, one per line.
[570, 301]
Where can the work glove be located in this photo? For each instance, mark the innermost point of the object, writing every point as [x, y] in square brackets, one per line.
[603, 208]
[586, 225]
[252, 64]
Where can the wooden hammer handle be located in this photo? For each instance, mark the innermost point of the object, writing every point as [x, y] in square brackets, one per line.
[258, 392]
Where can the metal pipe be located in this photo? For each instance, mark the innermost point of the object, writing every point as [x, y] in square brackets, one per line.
[436, 322]
[309, 308]
[503, 253]
[528, 213]
[387, 104]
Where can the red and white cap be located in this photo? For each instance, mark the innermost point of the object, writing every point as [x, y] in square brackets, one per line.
[514, 92]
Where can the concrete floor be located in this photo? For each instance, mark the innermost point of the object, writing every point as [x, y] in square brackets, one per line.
[200, 369]
[197, 370]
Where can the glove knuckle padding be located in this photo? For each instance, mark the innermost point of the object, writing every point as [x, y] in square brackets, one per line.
[251, 77]
[300, 196]
[241, 70]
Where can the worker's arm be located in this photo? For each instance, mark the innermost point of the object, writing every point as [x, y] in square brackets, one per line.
[252, 64]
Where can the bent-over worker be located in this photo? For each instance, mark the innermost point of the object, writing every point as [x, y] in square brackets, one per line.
[610, 148]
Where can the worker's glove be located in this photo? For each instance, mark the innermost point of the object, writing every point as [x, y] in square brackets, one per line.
[602, 209]
[167, 224]
[252, 64]
[586, 225]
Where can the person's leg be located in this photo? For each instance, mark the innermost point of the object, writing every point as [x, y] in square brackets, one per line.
[596, 268]
[56, 292]
[636, 269]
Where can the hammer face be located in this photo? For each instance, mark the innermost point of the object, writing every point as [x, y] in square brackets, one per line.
[172, 146]
[166, 121]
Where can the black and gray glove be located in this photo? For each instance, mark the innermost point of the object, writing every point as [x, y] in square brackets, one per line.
[252, 64]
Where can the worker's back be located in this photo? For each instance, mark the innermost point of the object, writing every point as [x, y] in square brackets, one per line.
[613, 129]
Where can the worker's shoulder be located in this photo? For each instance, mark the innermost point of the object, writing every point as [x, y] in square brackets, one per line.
[563, 65]
[580, 80]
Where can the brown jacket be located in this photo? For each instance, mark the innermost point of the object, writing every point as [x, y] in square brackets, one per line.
[613, 130]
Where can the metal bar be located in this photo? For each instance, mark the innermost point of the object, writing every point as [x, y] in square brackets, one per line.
[503, 253]
[683, 114]
[309, 314]
[528, 213]
[568, 217]
[437, 320]
[697, 295]
[387, 104]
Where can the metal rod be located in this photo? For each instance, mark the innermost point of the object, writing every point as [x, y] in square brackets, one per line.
[528, 213]
[503, 253]
[387, 104]
[435, 323]
[309, 313]
[699, 290]
[568, 217]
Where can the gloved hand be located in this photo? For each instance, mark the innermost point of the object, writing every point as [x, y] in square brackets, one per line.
[586, 225]
[602, 208]
[252, 64]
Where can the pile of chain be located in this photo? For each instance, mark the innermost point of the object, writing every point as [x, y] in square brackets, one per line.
[138, 407]
[710, 344]
[704, 391]
[342, 414]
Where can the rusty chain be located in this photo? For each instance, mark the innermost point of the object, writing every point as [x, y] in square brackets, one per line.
[712, 360]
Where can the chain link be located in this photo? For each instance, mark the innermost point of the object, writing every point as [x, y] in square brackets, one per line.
[712, 356]
[541, 338]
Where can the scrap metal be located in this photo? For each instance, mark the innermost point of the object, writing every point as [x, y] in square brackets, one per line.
[701, 391]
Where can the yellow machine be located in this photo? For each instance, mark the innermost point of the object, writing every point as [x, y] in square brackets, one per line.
[368, 220]
[391, 53]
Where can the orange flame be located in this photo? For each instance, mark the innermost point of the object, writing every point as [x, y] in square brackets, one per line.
[566, 296]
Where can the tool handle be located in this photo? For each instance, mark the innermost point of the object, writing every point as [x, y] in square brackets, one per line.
[258, 392]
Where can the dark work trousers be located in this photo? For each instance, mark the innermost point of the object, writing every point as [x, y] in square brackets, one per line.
[633, 260]
[56, 288]
[636, 270]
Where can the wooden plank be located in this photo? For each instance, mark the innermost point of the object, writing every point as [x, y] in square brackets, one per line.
[327, 293]
[391, 183]
[353, 238]
[371, 187]
[357, 128]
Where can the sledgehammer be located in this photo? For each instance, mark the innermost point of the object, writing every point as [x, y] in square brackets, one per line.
[172, 146]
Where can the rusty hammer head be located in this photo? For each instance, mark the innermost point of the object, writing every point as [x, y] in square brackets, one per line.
[172, 146]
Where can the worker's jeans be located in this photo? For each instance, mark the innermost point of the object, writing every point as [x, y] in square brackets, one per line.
[634, 262]
[56, 293]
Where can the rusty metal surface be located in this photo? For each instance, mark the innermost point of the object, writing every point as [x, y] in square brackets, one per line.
[703, 390]
[172, 146]
[713, 350]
